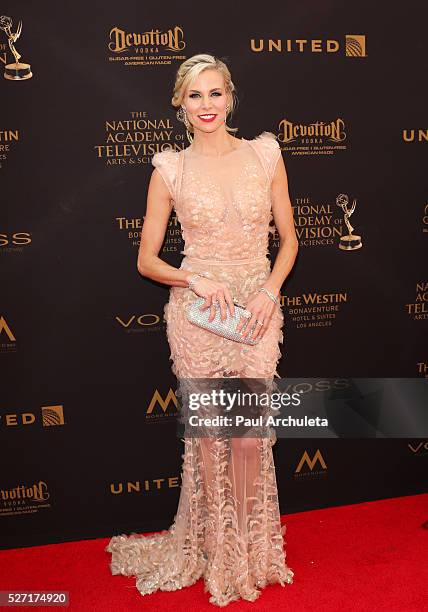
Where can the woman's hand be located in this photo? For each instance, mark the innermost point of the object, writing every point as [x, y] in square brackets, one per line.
[261, 307]
[214, 291]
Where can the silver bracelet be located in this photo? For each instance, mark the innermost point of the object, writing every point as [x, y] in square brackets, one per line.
[193, 280]
[269, 293]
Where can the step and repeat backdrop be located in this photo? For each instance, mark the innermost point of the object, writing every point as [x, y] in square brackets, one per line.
[89, 444]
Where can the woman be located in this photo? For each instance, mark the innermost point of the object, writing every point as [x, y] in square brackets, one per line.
[224, 191]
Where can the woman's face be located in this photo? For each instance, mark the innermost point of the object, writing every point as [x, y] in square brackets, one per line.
[205, 101]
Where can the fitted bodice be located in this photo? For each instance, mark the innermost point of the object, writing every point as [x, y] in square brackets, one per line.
[223, 203]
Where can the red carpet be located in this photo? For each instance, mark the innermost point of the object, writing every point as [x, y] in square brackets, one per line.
[361, 557]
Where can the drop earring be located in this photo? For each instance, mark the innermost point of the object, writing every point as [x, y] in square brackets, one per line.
[182, 116]
[227, 111]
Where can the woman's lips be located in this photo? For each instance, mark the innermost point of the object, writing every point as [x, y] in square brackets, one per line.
[207, 119]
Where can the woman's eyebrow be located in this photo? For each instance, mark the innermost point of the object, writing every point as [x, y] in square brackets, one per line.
[215, 88]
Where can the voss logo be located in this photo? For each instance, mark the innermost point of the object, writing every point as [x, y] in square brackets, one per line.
[16, 239]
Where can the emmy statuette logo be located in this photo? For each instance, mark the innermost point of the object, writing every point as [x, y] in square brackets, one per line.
[17, 71]
[351, 241]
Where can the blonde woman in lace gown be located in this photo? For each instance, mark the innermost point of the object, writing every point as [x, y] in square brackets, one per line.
[224, 190]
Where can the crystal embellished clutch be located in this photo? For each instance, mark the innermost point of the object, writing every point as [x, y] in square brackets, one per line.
[226, 328]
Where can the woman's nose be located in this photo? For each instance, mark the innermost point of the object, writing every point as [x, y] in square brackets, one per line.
[206, 103]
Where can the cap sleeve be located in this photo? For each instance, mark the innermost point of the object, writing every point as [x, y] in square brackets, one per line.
[269, 152]
[166, 163]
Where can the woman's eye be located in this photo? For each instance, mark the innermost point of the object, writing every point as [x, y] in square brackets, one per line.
[215, 93]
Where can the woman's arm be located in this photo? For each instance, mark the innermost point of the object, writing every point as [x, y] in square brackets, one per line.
[153, 233]
[284, 222]
[152, 236]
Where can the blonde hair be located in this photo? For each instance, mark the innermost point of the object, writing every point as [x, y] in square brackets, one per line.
[191, 68]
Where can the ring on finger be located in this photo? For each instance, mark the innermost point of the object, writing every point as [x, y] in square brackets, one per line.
[259, 322]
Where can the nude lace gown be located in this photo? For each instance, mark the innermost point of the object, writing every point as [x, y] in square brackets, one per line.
[227, 526]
